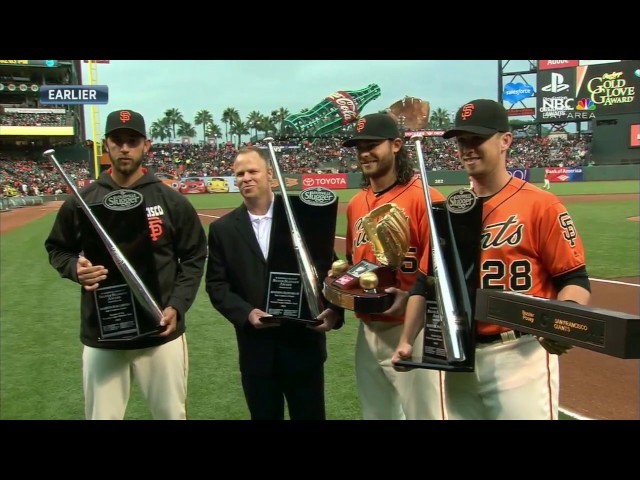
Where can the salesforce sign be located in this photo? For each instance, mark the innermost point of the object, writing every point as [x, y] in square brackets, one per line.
[516, 92]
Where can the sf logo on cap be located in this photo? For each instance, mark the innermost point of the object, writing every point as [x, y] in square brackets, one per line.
[360, 125]
[125, 116]
[467, 111]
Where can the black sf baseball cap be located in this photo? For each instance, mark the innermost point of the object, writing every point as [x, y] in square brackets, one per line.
[480, 117]
[375, 126]
[125, 119]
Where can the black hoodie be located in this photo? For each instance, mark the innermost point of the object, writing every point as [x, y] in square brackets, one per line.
[179, 249]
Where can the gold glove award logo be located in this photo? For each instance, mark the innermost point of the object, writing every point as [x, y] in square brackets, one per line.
[361, 288]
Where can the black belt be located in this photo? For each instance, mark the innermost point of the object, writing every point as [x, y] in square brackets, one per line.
[498, 337]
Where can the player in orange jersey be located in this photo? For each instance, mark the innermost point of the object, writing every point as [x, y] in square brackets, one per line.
[528, 244]
[386, 394]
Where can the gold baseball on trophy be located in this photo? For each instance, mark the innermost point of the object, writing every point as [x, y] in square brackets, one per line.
[368, 281]
[339, 267]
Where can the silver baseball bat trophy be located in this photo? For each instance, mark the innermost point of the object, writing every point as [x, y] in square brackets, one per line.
[138, 288]
[454, 319]
[305, 265]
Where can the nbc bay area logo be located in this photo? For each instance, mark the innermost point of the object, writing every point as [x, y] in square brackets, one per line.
[586, 104]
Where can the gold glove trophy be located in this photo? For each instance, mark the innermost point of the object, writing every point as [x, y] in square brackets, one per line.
[361, 288]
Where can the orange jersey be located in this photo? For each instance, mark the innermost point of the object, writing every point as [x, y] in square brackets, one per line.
[410, 198]
[528, 237]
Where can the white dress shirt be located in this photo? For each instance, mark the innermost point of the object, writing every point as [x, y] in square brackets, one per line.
[262, 228]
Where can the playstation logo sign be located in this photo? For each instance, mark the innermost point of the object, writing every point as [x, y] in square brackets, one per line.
[556, 84]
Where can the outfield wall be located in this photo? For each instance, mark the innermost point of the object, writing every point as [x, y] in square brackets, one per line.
[342, 181]
[9, 203]
[460, 177]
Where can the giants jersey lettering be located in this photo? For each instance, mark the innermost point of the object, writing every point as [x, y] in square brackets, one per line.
[527, 238]
[410, 198]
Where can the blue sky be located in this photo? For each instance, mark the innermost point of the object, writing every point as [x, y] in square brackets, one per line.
[152, 86]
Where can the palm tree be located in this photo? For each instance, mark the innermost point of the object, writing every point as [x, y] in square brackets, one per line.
[213, 130]
[174, 117]
[185, 129]
[239, 128]
[266, 125]
[229, 116]
[278, 116]
[204, 118]
[160, 129]
[252, 121]
[440, 119]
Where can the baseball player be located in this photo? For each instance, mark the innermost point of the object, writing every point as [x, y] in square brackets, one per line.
[547, 184]
[112, 357]
[386, 394]
[528, 244]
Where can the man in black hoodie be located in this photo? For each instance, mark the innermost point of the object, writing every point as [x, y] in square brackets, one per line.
[121, 340]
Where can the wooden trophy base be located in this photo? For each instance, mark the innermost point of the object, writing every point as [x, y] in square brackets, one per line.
[345, 290]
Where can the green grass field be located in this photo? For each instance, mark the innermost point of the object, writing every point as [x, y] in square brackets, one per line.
[40, 371]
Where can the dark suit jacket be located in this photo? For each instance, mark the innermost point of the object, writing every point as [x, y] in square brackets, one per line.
[237, 282]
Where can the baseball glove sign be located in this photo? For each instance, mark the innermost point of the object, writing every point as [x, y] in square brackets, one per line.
[411, 113]
[361, 288]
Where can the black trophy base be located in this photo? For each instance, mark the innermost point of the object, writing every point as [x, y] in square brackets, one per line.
[290, 320]
[606, 331]
[445, 367]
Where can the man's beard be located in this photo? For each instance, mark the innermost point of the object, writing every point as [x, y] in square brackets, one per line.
[383, 167]
[126, 168]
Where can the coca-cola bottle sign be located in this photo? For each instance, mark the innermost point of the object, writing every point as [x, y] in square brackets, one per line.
[346, 106]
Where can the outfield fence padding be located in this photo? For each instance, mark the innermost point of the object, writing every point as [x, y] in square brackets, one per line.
[9, 203]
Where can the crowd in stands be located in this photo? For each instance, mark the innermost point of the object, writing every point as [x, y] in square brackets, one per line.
[49, 119]
[28, 177]
[31, 176]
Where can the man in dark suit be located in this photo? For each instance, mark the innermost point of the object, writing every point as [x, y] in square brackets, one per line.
[281, 360]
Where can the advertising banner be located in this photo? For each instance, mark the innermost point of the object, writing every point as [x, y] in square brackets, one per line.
[516, 92]
[587, 91]
[84, 182]
[634, 141]
[31, 63]
[289, 182]
[424, 133]
[556, 100]
[565, 174]
[608, 89]
[521, 173]
[31, 130]
[193, 184]
[332, 181]
[555, 64]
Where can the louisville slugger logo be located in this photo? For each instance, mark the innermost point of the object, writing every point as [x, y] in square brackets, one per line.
[318, 196]
[508, 232]
[121, 200]
[569, 230]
